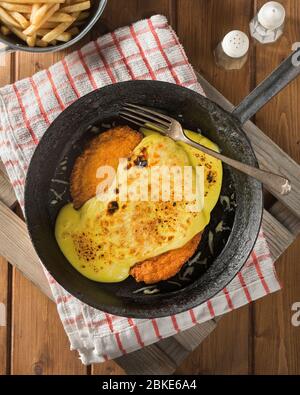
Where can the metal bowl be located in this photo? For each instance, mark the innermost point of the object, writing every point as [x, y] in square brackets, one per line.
[13, 43]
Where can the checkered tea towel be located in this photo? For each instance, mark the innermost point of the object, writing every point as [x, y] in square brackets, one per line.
[149, 49]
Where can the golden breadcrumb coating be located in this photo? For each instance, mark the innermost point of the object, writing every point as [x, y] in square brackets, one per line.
[103, 150]
[166, 265]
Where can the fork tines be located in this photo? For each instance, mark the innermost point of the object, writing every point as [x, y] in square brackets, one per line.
[143, 116]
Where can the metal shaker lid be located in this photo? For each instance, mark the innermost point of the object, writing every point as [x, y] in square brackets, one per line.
[235, 44]
[271, 15]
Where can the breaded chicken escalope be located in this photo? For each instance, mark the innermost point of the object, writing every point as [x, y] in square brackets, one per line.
[165, 266]
[103, 150]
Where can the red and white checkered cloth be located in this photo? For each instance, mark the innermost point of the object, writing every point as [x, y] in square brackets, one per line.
[148, 49]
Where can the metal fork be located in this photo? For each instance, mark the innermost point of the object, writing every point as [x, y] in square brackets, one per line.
[147, 118]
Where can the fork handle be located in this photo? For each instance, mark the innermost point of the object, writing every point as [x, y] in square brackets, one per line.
[272, 182]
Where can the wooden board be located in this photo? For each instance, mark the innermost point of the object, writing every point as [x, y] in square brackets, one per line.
[6, 196]
[199, 40]
[6, 190]
[244, 340]
[276, 341]
[4, 317]
[39, 351]
[165, 356]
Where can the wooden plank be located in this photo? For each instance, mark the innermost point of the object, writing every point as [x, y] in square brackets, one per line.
[16, 247]
[201, 24]
[225, 350]
[41, 347]
[7, 195]
[34, 316]
[286, 218]
[109, 367]
[199, 41]
[167, 355]
[191, 338]
[277, 342]
[4, 317]
[149, 360]
[278, 237]
[131, 11]
[49, 353]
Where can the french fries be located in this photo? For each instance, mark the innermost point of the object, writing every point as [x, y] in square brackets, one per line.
[85, 5]
[20, 18]
[40, 18]
[5, 30]
[7, 19]
[45, 22]
[34, 10]
[61, 17]
[17, 7]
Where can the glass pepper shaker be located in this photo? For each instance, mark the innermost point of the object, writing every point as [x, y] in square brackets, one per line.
[268, 25]
[232, 51]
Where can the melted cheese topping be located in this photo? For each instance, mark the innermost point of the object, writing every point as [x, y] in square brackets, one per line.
[103, 240]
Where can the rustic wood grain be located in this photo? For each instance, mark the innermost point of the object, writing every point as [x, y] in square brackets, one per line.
[220, 353]
[201, 24]
[232, 348]
[6, 190]
[279, 237]
[286, 218]
[40, 345]
[120, 13]
[16, 247]
[276, 341]
[109, 367]
[164, 357]
[4, 319]
[6, 196]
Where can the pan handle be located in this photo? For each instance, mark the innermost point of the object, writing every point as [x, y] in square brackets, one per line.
[285, 73]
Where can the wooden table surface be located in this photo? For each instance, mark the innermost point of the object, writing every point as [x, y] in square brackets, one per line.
[257, 339]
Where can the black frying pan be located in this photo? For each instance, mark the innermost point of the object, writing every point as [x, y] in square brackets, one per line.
[220, 254]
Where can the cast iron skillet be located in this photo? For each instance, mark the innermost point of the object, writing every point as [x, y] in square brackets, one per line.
[213, 266]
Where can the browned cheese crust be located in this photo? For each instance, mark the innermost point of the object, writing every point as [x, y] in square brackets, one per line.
[104, 150]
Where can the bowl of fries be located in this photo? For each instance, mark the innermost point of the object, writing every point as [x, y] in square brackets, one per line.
[46, 26]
